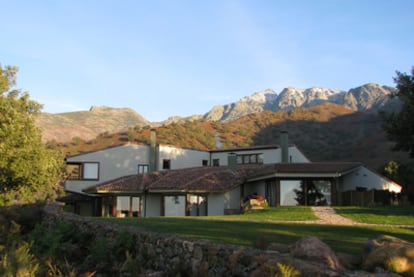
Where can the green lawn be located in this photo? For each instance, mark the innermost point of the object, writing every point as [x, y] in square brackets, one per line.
[394, 215]
[245, 229]
[297, 213]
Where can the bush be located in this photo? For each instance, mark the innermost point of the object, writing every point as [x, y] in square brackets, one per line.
[18, 261]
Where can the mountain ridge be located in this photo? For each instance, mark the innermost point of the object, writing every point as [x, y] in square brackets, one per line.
[367, 98]
[103, 119]
[327, 132]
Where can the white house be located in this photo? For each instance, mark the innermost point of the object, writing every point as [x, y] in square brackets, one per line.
[163, 180]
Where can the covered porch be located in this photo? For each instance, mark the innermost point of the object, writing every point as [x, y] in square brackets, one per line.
[309, 184]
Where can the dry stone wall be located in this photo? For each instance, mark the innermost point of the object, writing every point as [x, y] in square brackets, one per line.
[169, 255]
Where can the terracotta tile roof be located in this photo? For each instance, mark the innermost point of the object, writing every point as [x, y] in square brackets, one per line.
[75, 197]
[213, 179]
[129, 183]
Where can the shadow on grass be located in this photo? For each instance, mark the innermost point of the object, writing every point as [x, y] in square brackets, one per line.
[393, 215]
[345, 239]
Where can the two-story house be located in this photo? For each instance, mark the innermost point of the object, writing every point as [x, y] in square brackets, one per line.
[163, 180]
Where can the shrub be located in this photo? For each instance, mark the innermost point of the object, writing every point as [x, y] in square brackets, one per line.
[18, 261]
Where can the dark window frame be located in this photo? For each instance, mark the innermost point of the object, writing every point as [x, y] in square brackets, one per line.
[80, 175]
[166, 164]
[216, 162]
[143, 168]
[254, 158]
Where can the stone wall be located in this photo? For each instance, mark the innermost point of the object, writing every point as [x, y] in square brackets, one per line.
[170, 255]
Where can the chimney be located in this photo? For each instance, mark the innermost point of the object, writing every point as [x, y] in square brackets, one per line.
[153, 152]
[284, 144]
[232, 161]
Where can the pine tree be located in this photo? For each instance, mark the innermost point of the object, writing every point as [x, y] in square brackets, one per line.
[399, 126]
[309, 195]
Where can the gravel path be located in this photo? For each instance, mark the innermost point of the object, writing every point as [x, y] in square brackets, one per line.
[327, 215]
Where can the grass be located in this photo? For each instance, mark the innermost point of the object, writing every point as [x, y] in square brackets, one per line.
[393, 215]
[245, 230]
[297, 213]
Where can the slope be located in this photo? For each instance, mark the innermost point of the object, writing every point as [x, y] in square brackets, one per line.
[327, 132]
[87, 124]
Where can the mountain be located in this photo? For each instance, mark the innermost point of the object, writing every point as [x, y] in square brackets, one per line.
[367, 98]
[327, 132]
[88, 125]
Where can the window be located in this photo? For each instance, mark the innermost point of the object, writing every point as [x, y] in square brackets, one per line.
[143, 168]
[83, 171]
[196, 205]
[73, 171]
[166, 164]
[250, 159]
[90, 171]
[216, 162]
[128, 206]
[205, 162]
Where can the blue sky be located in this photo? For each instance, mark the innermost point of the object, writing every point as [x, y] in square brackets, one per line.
[176, 57]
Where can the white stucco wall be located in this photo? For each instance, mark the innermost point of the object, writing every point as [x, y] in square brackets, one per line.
[113, 163]
[181, 158]
[270, 155]
[215, 204]
[297, 156]
[153, 205]
[365, 178]
[232, 199]
[174, 205]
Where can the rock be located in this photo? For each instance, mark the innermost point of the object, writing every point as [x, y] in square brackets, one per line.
[389, 253]
[279, 247]
[312, 248]
[349, 261]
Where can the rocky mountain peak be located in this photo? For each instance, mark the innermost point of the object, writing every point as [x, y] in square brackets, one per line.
[367, 98]
[99, 119]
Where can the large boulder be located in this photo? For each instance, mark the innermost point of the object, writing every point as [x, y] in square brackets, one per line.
[312, 248]
[389, 253]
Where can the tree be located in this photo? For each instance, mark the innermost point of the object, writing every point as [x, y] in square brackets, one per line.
[309, 194]
[399, 126]
[28, 170]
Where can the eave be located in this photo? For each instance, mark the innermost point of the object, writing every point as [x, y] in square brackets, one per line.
[116, 192]
[295, 176]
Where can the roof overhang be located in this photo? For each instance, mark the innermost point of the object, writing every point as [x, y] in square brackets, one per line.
[115, 192]
[306, 172]
[294, 176]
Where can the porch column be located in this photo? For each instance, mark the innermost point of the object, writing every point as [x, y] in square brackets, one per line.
[114, 206]
[130, 207]
[334, 192]
[305, 191]
[187, 205]
[144, 205]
